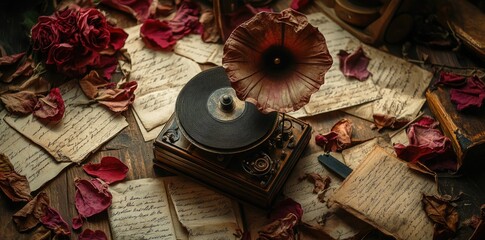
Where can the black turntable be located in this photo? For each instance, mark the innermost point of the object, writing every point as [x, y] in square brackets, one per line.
[228, 144]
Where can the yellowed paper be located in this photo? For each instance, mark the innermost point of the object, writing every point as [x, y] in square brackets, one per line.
[337, 92]
[192, 46]
[383, 191]
[27, 157]
[147, 135]
[140, 210]
[204, 213]
[401, 85]
[82, 130]
[160, 76]
[321, 214]
[355, 155]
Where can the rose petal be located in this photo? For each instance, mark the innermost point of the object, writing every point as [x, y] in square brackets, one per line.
[118, 100]
[20, 102]
[470, 96]
[118, 37]
[92, 82]
[283, 208]
[110, 169]
[53, 220]
[15, 186]
[328, 141]
[210, 31]
[92, 197]
[28, 217]
[382, 121]
[140, 9]
[298, 4]
[157, 34]
[5, 164]
[89, 234]
[451, 79]
[50, 107]
[355, 64]
[320, 183]
[25, 69]
[11, 59]
[77, 222]
[284, 217]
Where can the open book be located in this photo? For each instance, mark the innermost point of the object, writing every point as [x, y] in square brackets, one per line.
[172, 208]
[386, 193]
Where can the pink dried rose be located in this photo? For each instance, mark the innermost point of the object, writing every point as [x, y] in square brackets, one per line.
[92, 197]
[54, 221]
[140, 9]
[470, 96]
[355, 64]
[50, 107]
[89, 234]
[157, 34]
[22, 102]
[427, 145]
[110, 169]
[285, 216]
[339, 137]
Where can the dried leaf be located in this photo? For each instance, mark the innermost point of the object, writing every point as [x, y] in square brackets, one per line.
[470, 96]
[339, 137]
[20, 102]
[110, 169]
[320, 183]
[355, 64]
[15, 186]
[386, 121]
[89, 234]
[29, 216]
[24, 70]
[50, 107]
[443, 214]
[92, 83]
[118, 100]
[5, 164]
[427, 145]
[92, 197]
[53, 220]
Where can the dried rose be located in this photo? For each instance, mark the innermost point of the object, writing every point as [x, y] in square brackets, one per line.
[92, 197]
[339, 137]
[140, 9]
[355, 64]
[66, 23]
[470, 96]
[20, 102]
[119, 99]
[89, 234]
[93, 29]
[276, 60]
[186, 20]
[157, 34]
[53, 220]
[44, 34]
[443, 214]
[118, 38]
[28, 217]
[110, 169]
[451, 79]
[285, 216]
[328, 141]
[50, 107]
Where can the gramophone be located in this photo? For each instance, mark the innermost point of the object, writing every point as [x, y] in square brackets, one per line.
[229, 129]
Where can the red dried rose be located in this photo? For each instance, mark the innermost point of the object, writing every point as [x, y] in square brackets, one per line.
[89, 234]
[427, 145]
[285, 216]
[339, 137]
[110, 169]
[118, 38]
[50, 107]
[470, 96]
[66, 22]
[93, 29]
[157, 34]
[44, 34]
[92, 197]
[355, 64]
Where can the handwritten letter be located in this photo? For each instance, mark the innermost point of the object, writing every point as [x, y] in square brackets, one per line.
[82, 130]
[193, 47]
[204, 213]
[317, 213]
[27, 158]
[383, 191]
[160, 77]
[140, 210]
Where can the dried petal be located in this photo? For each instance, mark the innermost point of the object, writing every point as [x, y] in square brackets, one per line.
[355, 64]
[53, 220]
[35, 84]
[118, 38]
[110, 169]
[186, 20]
[20, 102]
[276, 60]
[140, 9]
[386, 121]
[285, 216]
[42, 233]
[107, 66]
[5, 164]
[89, 234]
[451, 79]
[320, 183]
[50, 107]
[29, 216]
[210, 32]
[118, 100]
[77, 222]
[14, 66]
[15, 186]
[11, 59]
[328, 141]
[470, 96]
[92, 197]
[443, 214]
[92, 82]
[283, 208]
[298, 4]
[157, 34]
[339, 137]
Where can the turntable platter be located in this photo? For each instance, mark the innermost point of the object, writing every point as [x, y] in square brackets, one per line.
[214, 119]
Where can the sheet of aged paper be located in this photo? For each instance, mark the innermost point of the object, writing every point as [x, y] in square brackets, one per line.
[353, 156]
[147, 135]
[140, 210]
[204, 213]
[192, 46]
[336, 91]
[383, 191]
[319, 212]
[27, 157]
[401, 85]
[82, 130]
[160, 76]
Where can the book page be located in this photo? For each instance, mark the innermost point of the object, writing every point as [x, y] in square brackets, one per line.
[160, 76]
[140, 210]
[204, 213]
[383, 191]
[321, 214]
[28, 158]
[82, 130]
[334, 93]
[353, 156]
[192, 46]
[401, 85]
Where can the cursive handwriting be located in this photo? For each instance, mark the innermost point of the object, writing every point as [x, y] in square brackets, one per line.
[192, 46]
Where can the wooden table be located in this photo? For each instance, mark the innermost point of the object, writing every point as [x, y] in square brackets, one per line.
[137, 154]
